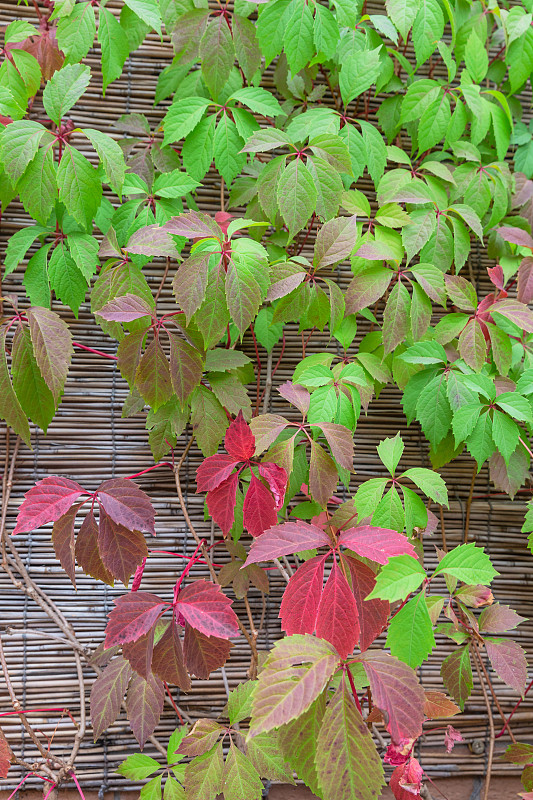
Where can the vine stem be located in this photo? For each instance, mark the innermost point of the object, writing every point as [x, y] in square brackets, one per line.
[477, 661]
[354, 692]
[491, 688]
[508, 720]
[469, 504]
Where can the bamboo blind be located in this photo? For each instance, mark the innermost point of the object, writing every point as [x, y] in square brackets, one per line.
[89, 442]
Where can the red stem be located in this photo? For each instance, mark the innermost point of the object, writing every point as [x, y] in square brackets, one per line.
[96, 352]
[354, 692]
[498, 735]
[258, 387]
[78, 787]
[185, 572]
[149, 469]
[174, 706]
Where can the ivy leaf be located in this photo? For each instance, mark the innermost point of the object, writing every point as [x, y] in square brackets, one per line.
[323, 477]
[456, 672]
[402, 14]
[152, 378]
[335, 241]
[509, 662]
[359, 71]
[285, 539]
[87, 553]
[396, 317]
[241, 779]
[202, 737]
[114, 44]
[398, 578]
[79, 187]
[295, 673]
[144, 704]
[64, 89]
[437, 706]
[410, 635]
[66, 279]
[498, 619]
[111, 156]
[347, 763]
[63, 541]
[216, 54]
[19, 148]
[182, 117]
[433, 410]
[337, 618]
[168, 660]
[46, 502]
[298, 37]
[264, 753]
[127, 504]
[397, 692]
[76, 32]
[10, 407]
[246, 46]
[428, 28]
[107, 694]
[207, 609]
[186, 367]
[377, 544]
[469, 564]
[52, 346]
[429, 482]
[296, 194]
[208, 420]
[133, 616]
[30, 388]
[147, 10]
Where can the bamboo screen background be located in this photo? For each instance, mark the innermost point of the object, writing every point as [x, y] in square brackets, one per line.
[89, 442]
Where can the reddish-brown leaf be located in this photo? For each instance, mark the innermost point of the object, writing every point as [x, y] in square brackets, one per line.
[259, 509]
[323, 475]
[516, 236]
[406, 781]
[213, 471]
[498, 619]
[125, 308]
[203, 736]
[221, 503]
[524, 289]
[144, 704]
[266, 428]
[134, 615]
[277, 478]
[239, 440]
[377, 544]
[87, 553]
[127, 505]
[190, 283]
[397, 693]
[340, 441]
[297, 395]
[121, 550]
[508, 662]
[63, 541]
[6, 755]
[285, 539]
[168, 662]
[193, 225]
[186, 367]
[204, 654]
[301, 598]
[107, 694]
[129, 354]
[373, 614]
[52, 346]
[140, 653]
[46, 502]
[337, 619]
[206, 608]
[438, 706]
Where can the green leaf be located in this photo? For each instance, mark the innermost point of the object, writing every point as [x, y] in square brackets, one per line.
[241, 780]
[347, 763]
[38, 186]
[326, 31]
[137, 767]
[298, 37]
[469, 564]
[79, 187]
[173, 790]
[198, 149]
[515, 405]
[216, 54]
[67, 281]
[359, 71]
[480, 442]
[430, 483]
[10, 408]
[259, 100]
[390, 452]
[152, 789]
[18, 146]
[402, 13]
[398, 578]
[376, 150]
[111, 156]
[434, 123]
[271, 26]
[147, 10]
[240, 702]
[428, 28]
[267, 332]
[204, 774]
[410, 635]
[505, 434]
[433, 410]
[19, 244]
[114, 44]
[76, 32]
[152, 377]
[246, 45]
[36, 280]
[227, 144]
[476, 58]
[182, 117]
[209, 422]
[64, 89]
[456, 671]
[84, 250]
[298, 742]
[296, 196]
[396, 317]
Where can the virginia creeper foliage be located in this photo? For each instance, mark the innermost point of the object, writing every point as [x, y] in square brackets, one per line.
[391, 144]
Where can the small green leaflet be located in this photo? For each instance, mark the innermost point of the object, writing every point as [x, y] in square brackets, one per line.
[398, 578]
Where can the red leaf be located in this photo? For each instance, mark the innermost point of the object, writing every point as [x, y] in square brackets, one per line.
[297, 395]
[373, 614]
[6, 755]
[508, 662]
[452, 736]
[377, 544]
[206, 608]
[121, 549]
[337, 618]
[276, 478]
[193, 225]
[323, 476]
[107, 694]
[45, 502]
[221, 503]
[134, 615]
[168, 663]
[64, 542]
[498, 619]
[406, 781]
[139, 653]
[127, 505]
[524, 288]
[301, 598]
[516, 236]
[259, 509]
[125, 308]
[144, 704]
[285, 539]
[213, 471]
[340, 441]
[239, 440]
[496, 276]
[204, 654]
[397, 693]
[86, 550]
[438, 706]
